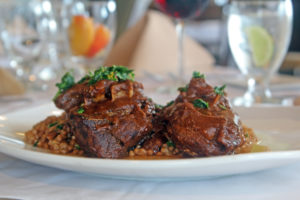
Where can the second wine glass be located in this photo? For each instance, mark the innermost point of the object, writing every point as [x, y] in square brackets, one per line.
[180, 10]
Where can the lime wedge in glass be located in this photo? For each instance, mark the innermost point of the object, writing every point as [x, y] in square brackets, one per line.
[261, 44]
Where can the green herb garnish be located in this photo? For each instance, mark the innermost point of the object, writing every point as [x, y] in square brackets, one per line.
[200, 103]
[113, 73]
[52, 124]
[183, 89]
[36, 143]
[170, 144]
[246, 135]
[80, 110]
[222, 107]
[198, 75]
[67, 81]
[60, 126]
[77, 147]
[86, 77]
[220, 90]
[169, 104]
[158, 106]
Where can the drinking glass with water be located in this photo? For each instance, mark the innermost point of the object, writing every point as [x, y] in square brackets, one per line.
[259, 34]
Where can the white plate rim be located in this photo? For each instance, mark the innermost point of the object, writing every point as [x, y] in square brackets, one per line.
[277, 158]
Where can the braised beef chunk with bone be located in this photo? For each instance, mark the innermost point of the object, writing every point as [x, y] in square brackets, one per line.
[201, 122]
[108, 117]
[108, 129]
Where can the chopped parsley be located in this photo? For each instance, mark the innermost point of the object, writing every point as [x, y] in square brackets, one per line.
[113, 73]
[80, 110]
[67, 81]
[198, 75]
[36, 143]
[77, 147]
[220, 90]
[246, 135]
[158, 106]
[222, 107]
[200, 103]
[183, 89]
[86, 77]
[169, 104]
[52, 124]
[60, 126]
[170, 144]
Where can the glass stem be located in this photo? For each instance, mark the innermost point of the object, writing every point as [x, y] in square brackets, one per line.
[250, 94]
[266, 88]
[179, 32]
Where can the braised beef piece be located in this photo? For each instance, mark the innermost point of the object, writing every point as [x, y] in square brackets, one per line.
[157, 138]
[108, 117]
[201, 123]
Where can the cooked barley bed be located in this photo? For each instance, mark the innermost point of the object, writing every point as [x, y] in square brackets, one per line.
[54, 134]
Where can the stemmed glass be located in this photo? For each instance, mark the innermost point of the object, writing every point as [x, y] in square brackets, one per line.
[259, 34]
[181, 10]
[90, 32]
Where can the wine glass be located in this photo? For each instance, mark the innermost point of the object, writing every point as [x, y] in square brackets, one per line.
[181, 10]
[259, 35]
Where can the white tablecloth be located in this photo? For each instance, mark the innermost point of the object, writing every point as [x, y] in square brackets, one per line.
[23, 180]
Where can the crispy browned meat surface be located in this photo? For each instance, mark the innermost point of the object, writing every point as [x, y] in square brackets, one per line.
[108, 117]
[83, 93]
[200, 130]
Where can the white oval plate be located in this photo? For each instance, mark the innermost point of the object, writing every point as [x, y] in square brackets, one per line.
[277, 127]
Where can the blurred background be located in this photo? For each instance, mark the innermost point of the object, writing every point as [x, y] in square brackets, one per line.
[43, 39]
[209, 29]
